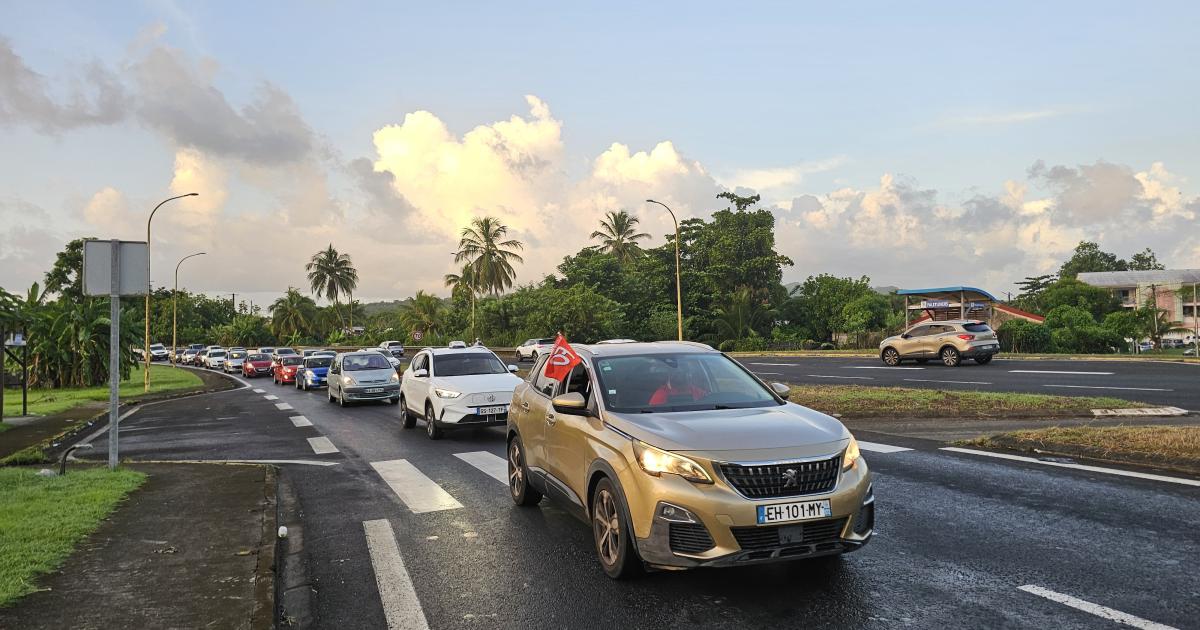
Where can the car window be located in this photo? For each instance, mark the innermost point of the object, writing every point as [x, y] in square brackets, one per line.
[466, 364]
[542, 383]
[359, 362]
[237, 355]
[579, 381]
[258, 357]
[977, 328]
[291, 361]
[656, 383]
[216, 353]
[546, 341]
[421, 362]
[919, 331]
[318, 362]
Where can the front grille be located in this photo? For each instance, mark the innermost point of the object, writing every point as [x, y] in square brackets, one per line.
[689, 538]
[474, 418]
[811, 533]
[771, 481]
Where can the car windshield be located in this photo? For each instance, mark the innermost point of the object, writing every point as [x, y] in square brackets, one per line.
[656, 383]
[468, 363]
[318, 362]
[258, 357]
[279, 351]
[157, 346]
[237, 355]
[372, 361]
[216, 353]
[290, 361]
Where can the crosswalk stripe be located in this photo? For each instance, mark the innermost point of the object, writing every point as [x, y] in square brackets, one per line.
[300, 421]
[259, 391]
[881, 448]
[283, 406]
[418, 492]
[401, 607]
[322, 445]
[495, 467]
[271, 397]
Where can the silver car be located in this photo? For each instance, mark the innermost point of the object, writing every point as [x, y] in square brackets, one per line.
[234, 361]
[950, 342]
[362, 376]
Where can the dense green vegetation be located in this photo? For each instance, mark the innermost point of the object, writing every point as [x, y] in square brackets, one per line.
[45, 401]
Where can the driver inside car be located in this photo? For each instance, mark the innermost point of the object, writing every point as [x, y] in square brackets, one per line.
[680, 387]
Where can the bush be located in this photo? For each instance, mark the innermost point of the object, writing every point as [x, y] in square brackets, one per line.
[809, 344]
[1086, 339]
[750, 344]
[727, 345]
[1019, 335]
[828, 346]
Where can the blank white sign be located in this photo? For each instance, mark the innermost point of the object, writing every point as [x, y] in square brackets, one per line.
[97, 267]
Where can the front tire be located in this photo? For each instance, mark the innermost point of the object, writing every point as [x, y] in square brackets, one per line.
[519, 488]
[431, 428]
[610, 533]
[407, 419]
[950, 356]
[342, 399]
[890, 357]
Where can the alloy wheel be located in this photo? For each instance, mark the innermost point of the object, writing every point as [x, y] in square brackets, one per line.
[516, 472]
[891, 357]
[606, 527]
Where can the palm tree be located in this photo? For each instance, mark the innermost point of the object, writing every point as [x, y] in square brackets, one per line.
[618, 235]
[490, 257]
[292, 314]
[331, 275]
[741, 314]
[467, 280]
[424, 313]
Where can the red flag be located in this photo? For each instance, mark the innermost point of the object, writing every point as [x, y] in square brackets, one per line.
[562, 359]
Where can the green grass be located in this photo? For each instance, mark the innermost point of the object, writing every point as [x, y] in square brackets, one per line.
[43, 402]
[1150, 442]
[4, 426]
[860, 401]
[42, 519]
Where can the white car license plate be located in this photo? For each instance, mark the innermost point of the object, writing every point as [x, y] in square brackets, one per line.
[491, 411]
[797, 511]
[375, 390]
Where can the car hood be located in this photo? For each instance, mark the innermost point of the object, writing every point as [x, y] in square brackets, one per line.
[382, 375]
[889, 340]
[260, 364]
[479, 382]
[319, 371]
[756, 434]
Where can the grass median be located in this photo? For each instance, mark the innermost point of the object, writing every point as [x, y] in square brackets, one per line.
[857, 401]
[1164, 446]
[43, 402]
[43, 518]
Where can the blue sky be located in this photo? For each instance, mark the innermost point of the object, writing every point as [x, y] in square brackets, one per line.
[895, 117]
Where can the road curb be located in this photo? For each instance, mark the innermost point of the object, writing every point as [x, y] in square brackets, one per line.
[1089, 454]
[263, 616]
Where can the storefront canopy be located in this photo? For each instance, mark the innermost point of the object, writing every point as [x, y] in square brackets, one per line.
[954, 294]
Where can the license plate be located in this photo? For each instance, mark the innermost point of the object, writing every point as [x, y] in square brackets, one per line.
[796, 511]
[491, 411]
[375, 390]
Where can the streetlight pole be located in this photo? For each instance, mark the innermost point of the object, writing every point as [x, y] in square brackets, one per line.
[146, 348]
[678, 290]
[175, 310]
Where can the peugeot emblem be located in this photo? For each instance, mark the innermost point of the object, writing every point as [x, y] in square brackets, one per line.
[491, 398]
[789, 478]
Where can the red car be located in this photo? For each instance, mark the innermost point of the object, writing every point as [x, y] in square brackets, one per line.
[256, 365]
[284, 369]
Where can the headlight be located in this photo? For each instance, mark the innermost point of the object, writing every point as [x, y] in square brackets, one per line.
[346, 380]
[656, 461]
[850, 458]
[446, 393]
[395, 378]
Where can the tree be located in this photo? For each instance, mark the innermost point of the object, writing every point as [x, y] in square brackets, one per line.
[293, 314]
[66, 276]
[817, 309]
[1145, 260]
[467, 281]
[482, 246]
[742, 315]
[424, 314]
[332, 275]
[1019, 335]
[865, 313]
[245, 330]
[1030, 297]
[1069, 291]
[618, 235]
[1088, 257]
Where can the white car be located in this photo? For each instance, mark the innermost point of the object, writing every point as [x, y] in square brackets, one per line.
[215, 359]
[394, 348]
[234, 361]
[453, 388]
[158, 352]
[534, 348]
[265, 351]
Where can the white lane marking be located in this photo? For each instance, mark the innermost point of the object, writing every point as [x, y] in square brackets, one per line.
[929, 380]
[271, 397]
[770, 373]
[322, 445]
[300, 421]
[1096, 469]
[1103, 612]
[401, 608]
[495, 466]
[259, 391]
[1059, 372]
[774, 364]
[1141, 411]
[861, 378]
[283, 406]
[880, 367]
[881, 448]
[420, 493]
[1128, 389]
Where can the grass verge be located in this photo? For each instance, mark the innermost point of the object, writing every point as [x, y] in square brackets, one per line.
[43, 518]
[43, 402]
[852, 401]
[1163, 446]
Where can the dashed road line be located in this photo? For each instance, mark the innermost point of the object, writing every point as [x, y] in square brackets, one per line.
[322, 445]
[1103, 612]
[401, 608]
[881, 367]
[881, 448]
[300, 421]
[858, 378]
[1128, 389]
[774, 364]
[271, 397]
[259, 391]
[283, 406]
[770, 373]
[496, 467]
[1059, 372]
[1084, 467]
[929, 380]
[420, 493]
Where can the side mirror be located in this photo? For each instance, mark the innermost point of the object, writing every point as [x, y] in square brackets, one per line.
[512, 368]
[905, 335]
[781, 390]
[420, 373]
[572, 403]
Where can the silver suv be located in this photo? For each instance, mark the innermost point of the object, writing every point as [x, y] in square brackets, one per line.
[950, 342]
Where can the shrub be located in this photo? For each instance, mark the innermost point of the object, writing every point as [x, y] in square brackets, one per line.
[828, 346]
[1019, 335]
[751, 344]
[727, 345]
[809, 344]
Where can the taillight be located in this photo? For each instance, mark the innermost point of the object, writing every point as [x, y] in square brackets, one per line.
[966, 337]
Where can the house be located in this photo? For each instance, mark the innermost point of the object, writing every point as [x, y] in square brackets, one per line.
[1174, 292]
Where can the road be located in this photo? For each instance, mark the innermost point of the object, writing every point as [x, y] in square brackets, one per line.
[396, 530]
[1164, 383]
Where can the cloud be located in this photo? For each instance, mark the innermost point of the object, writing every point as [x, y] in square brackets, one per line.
[1003, 118]
[94, 98]
[769, 180]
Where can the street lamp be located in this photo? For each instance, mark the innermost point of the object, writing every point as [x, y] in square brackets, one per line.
[678, 291]
[174, 309]
[146, 349]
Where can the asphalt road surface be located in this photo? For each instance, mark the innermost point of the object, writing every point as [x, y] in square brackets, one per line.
[393, 530]
[1157, 382]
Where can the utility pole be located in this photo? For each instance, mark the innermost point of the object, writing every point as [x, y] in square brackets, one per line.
[146, 345]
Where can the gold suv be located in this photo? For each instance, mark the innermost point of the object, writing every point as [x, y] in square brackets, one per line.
[948, 341]
[679, 457]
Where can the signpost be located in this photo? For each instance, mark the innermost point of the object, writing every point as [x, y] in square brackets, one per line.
[16, 340]
[417, 335]
[115, 268]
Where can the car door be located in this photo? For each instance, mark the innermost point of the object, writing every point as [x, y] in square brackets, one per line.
[333, 378]
[568, 435]
[911, 347]
[533, 409]
[416, 388]
[932, 342]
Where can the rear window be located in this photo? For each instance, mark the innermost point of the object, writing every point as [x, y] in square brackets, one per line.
[279, 351]
[545, 341]
[318, 362]
[291, 361]
[258, 357]
[977, 328]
